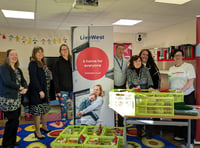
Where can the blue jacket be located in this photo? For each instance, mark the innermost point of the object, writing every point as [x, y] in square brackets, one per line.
[8, 86]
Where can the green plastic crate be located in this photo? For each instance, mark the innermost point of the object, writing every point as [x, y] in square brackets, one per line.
[178, 95]
[92, 131]
[154, 105]
[104, 140]
[111, 131]
[65, 139]
[121, 142]
[73, 130]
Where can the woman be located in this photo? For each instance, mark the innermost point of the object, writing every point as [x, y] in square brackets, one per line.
[62, 76]
[40, 77]
[12, 86]
[95, 106]
[148, 61]
[181, 77]
[138, 76]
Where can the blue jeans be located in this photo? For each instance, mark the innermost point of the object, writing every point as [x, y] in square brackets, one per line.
[65, 100]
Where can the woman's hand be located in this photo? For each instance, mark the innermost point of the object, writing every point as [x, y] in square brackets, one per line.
[151, 89]
[58, 96]
[42, 94]
[23, 91]
[79, 113]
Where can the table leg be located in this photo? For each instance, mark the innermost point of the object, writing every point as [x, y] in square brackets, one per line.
[125, 134]
[189, 133]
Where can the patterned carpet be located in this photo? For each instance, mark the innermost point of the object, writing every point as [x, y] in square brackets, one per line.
[27, 140]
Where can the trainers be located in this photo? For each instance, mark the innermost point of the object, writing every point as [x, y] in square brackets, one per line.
[178, 138]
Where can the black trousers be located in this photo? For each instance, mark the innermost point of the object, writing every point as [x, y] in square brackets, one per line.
[120, 118]
[182, 131]
[10, 132]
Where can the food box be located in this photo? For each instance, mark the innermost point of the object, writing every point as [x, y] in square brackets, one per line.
[73, 130]
[93, 131]
[112, 131]
[100, 142]
[122, 101]
[67, 141]
[151, 104]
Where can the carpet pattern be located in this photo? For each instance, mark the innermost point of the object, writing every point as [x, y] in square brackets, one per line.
[27, 139]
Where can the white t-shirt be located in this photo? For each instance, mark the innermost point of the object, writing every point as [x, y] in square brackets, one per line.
[179, 76]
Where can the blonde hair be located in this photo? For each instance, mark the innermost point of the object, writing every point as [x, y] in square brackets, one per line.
[101, 90]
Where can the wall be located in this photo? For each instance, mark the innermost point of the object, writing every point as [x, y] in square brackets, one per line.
[24, 50]
[182, 33]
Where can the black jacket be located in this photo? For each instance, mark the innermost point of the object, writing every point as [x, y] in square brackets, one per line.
[155, 75]
[8, 86]
[37, 83]
[62, 75]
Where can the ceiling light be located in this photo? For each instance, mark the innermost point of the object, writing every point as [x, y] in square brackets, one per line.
[127, 22]
[18, 14]
[179, 2]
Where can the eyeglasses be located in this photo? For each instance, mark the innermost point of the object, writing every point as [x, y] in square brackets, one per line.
[178, 55]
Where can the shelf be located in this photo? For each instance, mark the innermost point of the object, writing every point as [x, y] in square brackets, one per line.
[185, 59]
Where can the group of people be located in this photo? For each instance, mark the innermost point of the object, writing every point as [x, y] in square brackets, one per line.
[143, 73]
[13, 86]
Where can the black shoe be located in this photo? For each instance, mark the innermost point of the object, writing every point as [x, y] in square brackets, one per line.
[16, 143]
[43, 130]
[36, 136]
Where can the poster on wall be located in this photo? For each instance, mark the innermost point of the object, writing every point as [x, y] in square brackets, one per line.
[127, 51]
[92, 64]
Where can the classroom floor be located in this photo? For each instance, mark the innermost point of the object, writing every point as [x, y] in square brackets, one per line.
[167, 133]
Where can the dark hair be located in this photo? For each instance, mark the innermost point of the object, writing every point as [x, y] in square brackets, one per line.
[33, 57]
[6, 61]
[69, 56]
[150, 62]
[134, 58]
[119, 44]
[177, 50]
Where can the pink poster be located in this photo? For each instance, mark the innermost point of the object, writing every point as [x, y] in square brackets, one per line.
[127, 52]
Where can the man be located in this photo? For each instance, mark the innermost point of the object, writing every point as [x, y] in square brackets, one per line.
[120, 68]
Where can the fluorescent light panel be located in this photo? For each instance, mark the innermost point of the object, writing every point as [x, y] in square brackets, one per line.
[18, 14]
[127, 22]
[179, 2]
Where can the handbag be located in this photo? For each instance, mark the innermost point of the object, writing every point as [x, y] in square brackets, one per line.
[25, 100]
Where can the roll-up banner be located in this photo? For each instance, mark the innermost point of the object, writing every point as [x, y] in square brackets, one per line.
[92, 54]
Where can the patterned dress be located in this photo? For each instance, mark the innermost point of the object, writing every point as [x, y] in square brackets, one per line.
[44, 107]
[9, 104]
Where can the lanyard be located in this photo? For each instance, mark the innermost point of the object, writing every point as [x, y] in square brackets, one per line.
[139, 75]
[118, 62]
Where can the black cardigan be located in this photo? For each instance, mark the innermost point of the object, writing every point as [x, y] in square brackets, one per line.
[8, 86]
[62, 75]
[37, 84]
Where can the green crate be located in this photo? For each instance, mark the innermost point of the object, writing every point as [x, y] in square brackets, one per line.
[63, 141]
[104, 140]
[154, 105]
[121, 142]
[92, 131]
[111, 131]
[178, 95]
[73, 130]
